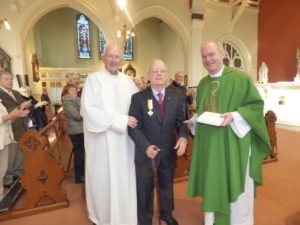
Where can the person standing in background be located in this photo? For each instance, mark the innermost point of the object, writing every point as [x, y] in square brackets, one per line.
[177, 87]
[71, 109]
[37, 119]
[12, 99]
[6, 136]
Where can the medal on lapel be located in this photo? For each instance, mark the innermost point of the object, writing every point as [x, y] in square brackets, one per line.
[150, 107]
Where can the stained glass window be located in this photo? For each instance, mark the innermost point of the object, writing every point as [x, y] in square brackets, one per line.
[102, 43]
[233, 57]
[83, 37]
[128, 49]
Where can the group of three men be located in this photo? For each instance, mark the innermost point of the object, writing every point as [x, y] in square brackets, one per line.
[226, 160]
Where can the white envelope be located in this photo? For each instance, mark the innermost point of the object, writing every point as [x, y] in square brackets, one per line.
[210, 118]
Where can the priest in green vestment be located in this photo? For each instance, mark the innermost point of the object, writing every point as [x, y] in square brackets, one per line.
[227, 159]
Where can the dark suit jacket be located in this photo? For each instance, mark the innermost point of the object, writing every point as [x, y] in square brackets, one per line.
[18, 126]
[181, 92]
[152, 131]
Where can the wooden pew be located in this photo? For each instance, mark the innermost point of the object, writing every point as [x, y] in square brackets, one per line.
[270, 119]
[47, 155]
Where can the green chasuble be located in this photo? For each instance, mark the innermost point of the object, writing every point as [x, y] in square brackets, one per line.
[219, 158]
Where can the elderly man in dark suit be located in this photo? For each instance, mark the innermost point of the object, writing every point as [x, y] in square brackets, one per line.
[159, 113]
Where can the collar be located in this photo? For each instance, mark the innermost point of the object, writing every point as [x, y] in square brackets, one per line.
[6, 90]
[155, 92]
[218, 74]
[176, 84]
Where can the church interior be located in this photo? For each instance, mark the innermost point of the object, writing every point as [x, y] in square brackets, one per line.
[42, 42]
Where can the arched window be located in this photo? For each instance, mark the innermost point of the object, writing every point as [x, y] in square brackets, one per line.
[233, 57]
[83, 37]
[102, 43]
[128, 49]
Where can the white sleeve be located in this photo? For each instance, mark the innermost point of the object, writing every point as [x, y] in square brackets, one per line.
[194, 121]
[95, 117]
[239, 126]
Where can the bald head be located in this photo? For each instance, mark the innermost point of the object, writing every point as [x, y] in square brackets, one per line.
[157, 74]
[179, 78]
[112, 59]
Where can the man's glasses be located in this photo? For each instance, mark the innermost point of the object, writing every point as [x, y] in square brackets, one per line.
[156, 71]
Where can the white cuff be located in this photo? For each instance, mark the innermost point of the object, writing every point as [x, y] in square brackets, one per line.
[194, 121]
[239, 125]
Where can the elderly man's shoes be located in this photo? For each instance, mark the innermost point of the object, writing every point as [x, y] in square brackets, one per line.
[170, 221]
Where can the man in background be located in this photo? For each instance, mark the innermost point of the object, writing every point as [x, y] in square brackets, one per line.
[177, 87]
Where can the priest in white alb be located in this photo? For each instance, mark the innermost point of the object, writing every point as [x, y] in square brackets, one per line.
[110, 172]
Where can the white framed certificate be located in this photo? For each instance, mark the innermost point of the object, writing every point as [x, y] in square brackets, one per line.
[210, 118]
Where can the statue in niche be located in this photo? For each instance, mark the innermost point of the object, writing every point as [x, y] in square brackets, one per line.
[263, 73]
[5, 63]
[35, 67]
[297, 77]
[298, 62]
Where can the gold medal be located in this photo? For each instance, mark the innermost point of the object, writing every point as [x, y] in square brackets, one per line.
[150, 107]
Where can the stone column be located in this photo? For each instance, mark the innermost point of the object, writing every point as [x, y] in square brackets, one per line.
[197, 25]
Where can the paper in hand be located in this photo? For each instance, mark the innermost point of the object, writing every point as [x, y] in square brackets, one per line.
[210, 118]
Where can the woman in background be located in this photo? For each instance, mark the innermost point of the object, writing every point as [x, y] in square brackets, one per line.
[37, 119]
[71, 108]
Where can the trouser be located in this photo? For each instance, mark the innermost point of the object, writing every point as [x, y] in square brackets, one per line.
[145, 193]
[3, 166]
[15, 163]
[78, 151]
[242, 209]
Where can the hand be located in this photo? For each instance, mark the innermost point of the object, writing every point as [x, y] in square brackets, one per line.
[132, 121]
[152, 151]
[228, 118]
[39, 104]
[16, 113]
[181, 146]
[25, 105]
[189, 123]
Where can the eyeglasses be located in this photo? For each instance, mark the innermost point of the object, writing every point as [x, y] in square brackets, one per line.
[156, 71]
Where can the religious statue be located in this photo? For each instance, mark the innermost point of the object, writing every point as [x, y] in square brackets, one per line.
[35, 67]
[297, 77]
[263, 73]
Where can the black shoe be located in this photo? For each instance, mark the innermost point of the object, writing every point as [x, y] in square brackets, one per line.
[15, 178]
[170, 221]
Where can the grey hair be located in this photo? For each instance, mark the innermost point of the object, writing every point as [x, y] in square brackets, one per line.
[24, 88]
[156, 60]
[2, 72]
[217, 43]
[69, 76]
